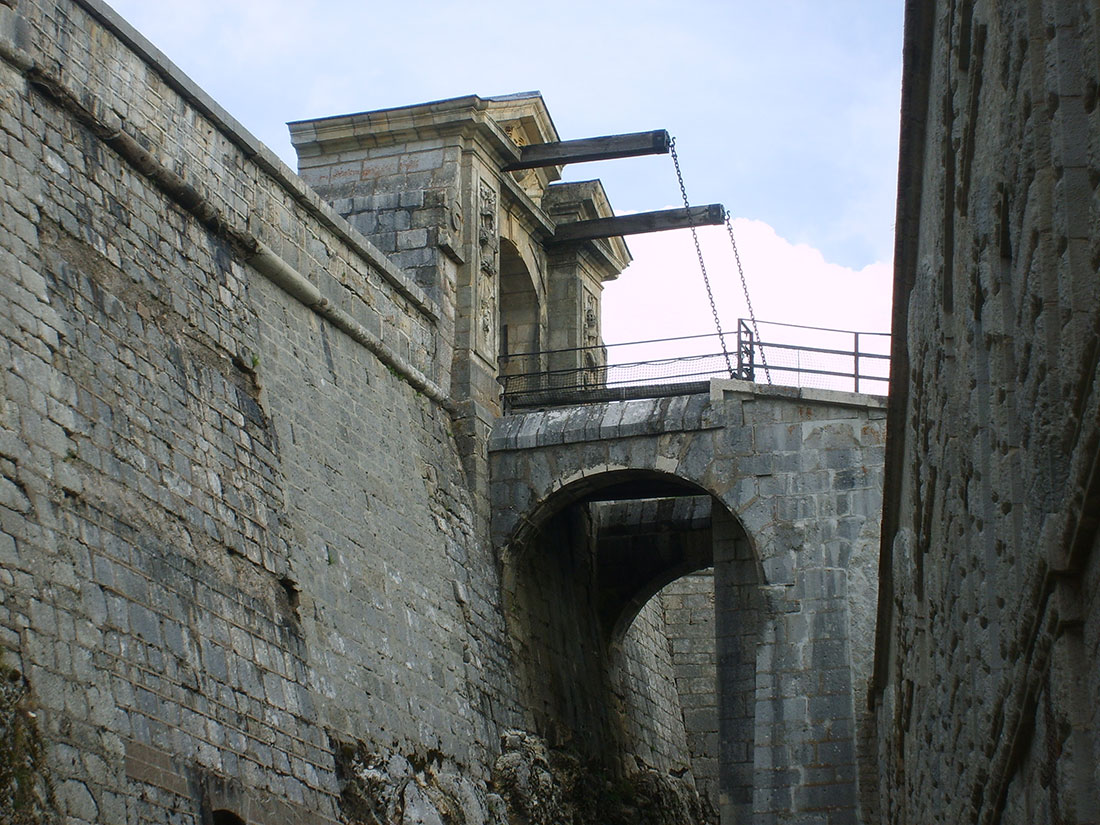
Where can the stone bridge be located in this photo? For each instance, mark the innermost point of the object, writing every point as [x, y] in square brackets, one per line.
[775, 494]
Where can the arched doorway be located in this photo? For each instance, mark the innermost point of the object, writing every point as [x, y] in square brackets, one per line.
[601, 665]
[520, 316]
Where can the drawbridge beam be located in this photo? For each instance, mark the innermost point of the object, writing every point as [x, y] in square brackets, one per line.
[589, 149]
[642, 222]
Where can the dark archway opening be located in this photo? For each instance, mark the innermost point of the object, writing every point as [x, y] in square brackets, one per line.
[607, 667]
[520, 328]
[226, 817]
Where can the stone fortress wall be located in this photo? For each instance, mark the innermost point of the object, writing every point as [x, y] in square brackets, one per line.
[988, 660]
[782, 500]
[215, 565]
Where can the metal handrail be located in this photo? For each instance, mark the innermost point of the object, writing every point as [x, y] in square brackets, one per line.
[662, 376]
[609, 346]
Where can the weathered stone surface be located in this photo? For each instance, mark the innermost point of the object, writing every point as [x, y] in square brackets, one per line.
[545, 786]
[688, 606]
[27, 793]
[247, 555]
[379, 788]
[988, 650]
[213, 553]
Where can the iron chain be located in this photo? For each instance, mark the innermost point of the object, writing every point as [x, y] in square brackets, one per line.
[706, 278]
[748, 301]
[699, 254]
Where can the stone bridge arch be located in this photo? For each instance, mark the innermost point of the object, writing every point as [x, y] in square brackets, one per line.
[793, 483]
[636, 498]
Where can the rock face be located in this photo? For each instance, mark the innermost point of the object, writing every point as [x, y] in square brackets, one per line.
[27, 794]
[389, 789]
[531, 784]
[988, 656]
[544, 786]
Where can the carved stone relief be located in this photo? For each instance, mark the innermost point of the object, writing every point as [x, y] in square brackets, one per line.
[591, 321]
[488, 238]
[516, 134]
[524, 177]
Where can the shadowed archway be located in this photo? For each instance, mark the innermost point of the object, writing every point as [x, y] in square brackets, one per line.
[798, 477]
[521, 312]
[579, 572]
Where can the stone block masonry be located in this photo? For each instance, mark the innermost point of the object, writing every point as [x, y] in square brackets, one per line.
[250, 568]
[987, 669]
[792, 480]
[216, 565]
[687, 605]
[269, 551]
[647, 685]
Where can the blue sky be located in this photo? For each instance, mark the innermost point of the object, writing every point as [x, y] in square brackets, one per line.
[785, 111]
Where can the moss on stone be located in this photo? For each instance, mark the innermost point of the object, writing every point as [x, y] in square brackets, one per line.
[26, 792]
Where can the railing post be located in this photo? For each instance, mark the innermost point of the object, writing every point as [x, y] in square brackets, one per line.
[856, 336]
[740, 351]
[746, 351]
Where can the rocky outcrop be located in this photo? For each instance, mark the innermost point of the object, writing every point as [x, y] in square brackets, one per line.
[26, 792]
[383, 787]
[532, 784]
[548, 786]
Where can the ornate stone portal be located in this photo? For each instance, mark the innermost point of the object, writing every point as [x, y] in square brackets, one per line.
[428, 185]
[392, 172]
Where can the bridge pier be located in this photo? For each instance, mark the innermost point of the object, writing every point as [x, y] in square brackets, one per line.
[738, 617]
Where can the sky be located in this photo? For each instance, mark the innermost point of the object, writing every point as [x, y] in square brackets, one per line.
[785, 111]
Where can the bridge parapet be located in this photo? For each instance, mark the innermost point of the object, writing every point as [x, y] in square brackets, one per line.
[690, 411]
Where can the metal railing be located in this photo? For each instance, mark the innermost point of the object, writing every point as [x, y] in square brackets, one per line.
[796, 356]
[821, 357]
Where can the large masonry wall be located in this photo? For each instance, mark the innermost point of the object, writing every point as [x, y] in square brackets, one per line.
[645, 687]
[218, 567]
[241, 566]
[246, 556]
[987, 668]
[688, 611]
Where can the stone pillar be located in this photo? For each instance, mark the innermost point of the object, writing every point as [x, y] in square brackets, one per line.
[577, 274]
[689, 613]
[736, 610]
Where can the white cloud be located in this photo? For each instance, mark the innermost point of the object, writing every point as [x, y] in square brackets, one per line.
[662, 295]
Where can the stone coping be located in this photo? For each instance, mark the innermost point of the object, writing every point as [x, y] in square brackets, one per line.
[721, 388]
[649, 416]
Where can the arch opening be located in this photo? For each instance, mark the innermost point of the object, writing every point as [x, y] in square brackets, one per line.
[520, 314]
[609, 666]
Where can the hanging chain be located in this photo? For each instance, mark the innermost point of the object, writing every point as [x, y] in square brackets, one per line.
[748, 301]
[699, 254]
[706, 279]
